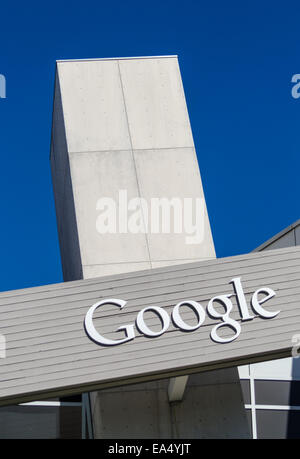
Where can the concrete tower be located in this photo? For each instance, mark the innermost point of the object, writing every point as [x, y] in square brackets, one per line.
[121, 125]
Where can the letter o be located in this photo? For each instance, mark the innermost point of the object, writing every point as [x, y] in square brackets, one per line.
[142, 327]
[183, 325]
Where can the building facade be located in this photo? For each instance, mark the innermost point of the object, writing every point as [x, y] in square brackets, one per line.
[272, 389]
[122, 125]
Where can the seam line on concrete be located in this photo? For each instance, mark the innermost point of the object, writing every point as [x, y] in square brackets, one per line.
[145, 261]
[133, 149]
[132, 154]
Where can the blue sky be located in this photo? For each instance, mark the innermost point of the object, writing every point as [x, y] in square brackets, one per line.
[237, 60]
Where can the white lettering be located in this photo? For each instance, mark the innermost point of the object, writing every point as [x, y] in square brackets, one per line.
[227, 321]
[200, 313]
[256, 303]
[162, 314]
[241, 299]
[95, 336]
[224, 302]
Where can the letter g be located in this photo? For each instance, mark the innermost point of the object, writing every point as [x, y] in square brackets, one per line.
[95, 336]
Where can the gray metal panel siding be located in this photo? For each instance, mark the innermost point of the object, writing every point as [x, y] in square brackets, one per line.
[294, 229]
[297, 235]
[287, 240]
[48, 351]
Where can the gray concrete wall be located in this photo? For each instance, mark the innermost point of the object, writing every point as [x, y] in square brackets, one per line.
[209, 410]
[122, 124]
